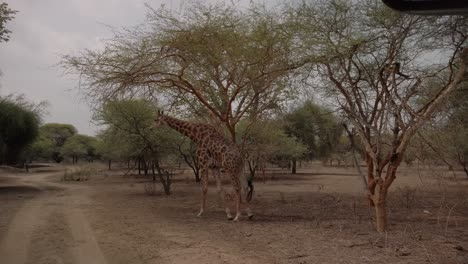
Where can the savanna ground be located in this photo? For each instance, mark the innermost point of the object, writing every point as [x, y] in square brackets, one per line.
[316, 216]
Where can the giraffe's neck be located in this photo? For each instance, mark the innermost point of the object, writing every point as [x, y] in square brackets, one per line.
[185, 128]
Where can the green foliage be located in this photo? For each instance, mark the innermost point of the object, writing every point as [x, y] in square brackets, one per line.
[445, 139]
[80, 146]
[39, 109]
[41, 148]
[316, 127]
[265, 141]
[130, 122]
[6, 14]
[57, 134]
[130, 126]
[18, 128]
[214, 60]
[108, 150]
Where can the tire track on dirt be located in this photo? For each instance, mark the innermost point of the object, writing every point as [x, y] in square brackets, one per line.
[51, 228]
[87, 249]
[15, 245]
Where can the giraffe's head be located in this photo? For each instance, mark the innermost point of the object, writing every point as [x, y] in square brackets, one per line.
[159, 119]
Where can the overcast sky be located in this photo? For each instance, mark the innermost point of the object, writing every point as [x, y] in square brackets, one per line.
[44, 30]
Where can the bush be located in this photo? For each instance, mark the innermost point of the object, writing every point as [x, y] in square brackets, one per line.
[81, 173]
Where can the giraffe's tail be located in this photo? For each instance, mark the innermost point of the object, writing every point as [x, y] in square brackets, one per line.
[251, 190]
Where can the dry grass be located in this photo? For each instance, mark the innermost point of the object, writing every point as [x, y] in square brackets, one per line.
[317, 216]
[81, 172]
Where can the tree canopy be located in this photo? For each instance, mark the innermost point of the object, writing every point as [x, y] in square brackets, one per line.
[216, 61]
[80, 146]
[266, 141]
[57, 134]
[19, 127]
[131, 122]
[316, 127]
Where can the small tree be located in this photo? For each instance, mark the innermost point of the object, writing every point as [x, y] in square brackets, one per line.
[265, 141]
[80, 146]
[107, 149]
[316, 127]
[131, 122]
[58, 134]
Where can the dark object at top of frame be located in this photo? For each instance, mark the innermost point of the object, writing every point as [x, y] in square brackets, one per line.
[430, 7]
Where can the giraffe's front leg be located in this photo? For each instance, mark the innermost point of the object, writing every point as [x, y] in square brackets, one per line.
[204, 189]
[238, 200]
[222, 194]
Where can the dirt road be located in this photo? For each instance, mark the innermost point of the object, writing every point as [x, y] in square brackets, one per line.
[50, 227]
[311, 217]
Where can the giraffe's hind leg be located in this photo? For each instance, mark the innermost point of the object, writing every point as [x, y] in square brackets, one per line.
[245, 194]
[204, 187]
[222, 194]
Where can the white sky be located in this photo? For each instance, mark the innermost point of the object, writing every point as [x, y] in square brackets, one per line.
[44, 30]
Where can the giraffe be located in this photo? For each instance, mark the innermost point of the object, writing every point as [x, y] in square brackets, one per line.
[218, 154]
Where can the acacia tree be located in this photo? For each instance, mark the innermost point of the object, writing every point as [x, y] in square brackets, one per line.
[107, 149]
[131, 122]
[377, 65]
[80, 146]
[57, 134]
[214, 60]
[316, 127]
[41, 148]
[266, 141]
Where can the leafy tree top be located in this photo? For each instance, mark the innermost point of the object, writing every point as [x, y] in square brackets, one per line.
[213, 60]
[58, 132]
[6, 14]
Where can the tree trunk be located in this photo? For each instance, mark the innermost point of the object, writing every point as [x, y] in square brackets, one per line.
[196, 172]
[370, 178]
[381, 218]
[465, 168]
[166, 182]
[294, 165]
[252, 168]
[152, 170]
[462, 162]
[145, 166]
[381, 208]
[139, 165]
[379, 190]
[110, 164]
